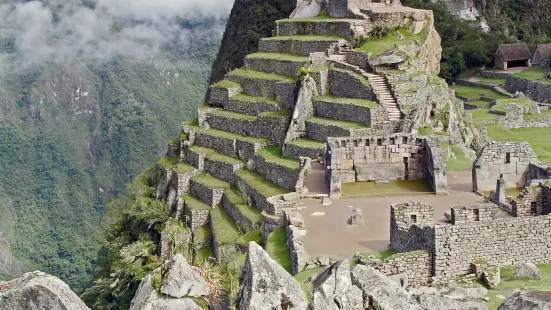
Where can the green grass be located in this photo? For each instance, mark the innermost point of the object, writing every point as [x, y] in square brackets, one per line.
[426, 130]
[472, 92]
[380, 255]
[482, 114]
[276, 247]
[334, 122]
[200, 149]
[203, 233]
[247, 98]
[304, 38]
[168, 162]
[273, 154]
[501, 103]
[223, 158]
[236, 199]
[537, 137]
[481, 104]
[260, 184]
[261, 75]
[460, 162]
[226, 84]
[195, 204]
[229, 135]
[491, 81]
[280, 113]
[204, 253]
[362, 102]
[255, 236]
[224, 228]
[305, 275]
[535, 73]
[235, 115]
[279, 56]
[543, 114]
[210, 181]
[308, 143]
[183, 168]
[360, 77]
[378, 46]
[392, 189]
[509, 283]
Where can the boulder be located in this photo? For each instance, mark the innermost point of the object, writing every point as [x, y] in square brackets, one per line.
[333, 289]
[147, 298]
[38, 290]
[324, 260]
[266, 285]
[527, 271]
[527, 300]
[432, 302]
[467, 293]
[180, 279]
[491, 276]
[356, 218]
[381, 292]
[401, 278]
[294, 218]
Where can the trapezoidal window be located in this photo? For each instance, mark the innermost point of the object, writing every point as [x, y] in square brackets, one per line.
[391, 141]
[379, 142]
[343, 143]
[534, 208]
[366, 142]
[405, 140]
[355, 143]
[476, 215]
[508, 158]
[413, 219]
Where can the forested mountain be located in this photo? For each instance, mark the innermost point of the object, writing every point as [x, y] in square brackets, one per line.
[82, 113]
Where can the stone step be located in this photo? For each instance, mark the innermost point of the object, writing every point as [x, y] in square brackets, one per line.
[208, 189]
[320, 128]
[219, 93]
[197, 212]
[228, 143]
[251, 105]
[276, 168]
[278, 63]
[321, 25]
[267, 85]
[222, 167]
[257, 188]
[304, 147]
[225, 235]
[300, 45]
[238, 123]
[345, 109]
[349, 84]
[247, 218]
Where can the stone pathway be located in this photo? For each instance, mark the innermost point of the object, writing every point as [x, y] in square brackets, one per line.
[387, 100]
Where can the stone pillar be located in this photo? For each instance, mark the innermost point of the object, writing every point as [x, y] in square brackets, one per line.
[500, 191]
[338, 8]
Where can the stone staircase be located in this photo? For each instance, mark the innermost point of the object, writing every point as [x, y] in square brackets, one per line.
[387, 100]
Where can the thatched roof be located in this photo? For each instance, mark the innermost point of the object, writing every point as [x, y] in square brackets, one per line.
[544, 50]
[514, 51]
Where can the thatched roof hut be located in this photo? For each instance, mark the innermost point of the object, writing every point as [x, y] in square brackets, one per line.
[541, 55]
[512, 55]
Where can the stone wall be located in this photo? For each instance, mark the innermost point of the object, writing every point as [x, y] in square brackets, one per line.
[295, 151]
[501, 242]
[210, 196]
[276, 173]
[417, 265]
[509, 161]
[196, 218]
[382, 158]
[270, 223]
[218, 96]
[528, 203]
[295, 242]
[321, 132]
[348, 84]
[295, 47]
[368, 116]
[271, 205]
[224, 252]
[282, 67]
[342, 28]
[470, 214]
[221, 169]
[537, 91]
[411, 227]
[243, 222]
[337, 8]
[241, 149]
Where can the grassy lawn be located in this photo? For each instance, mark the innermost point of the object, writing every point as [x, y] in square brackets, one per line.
[481, 104]
[247, 98]
[535, 73]
[261, 75]
[491, 81]
[308, 143]
[223, 158]
[334, 122]
[204, 253]
[276, 247]
[168, 162]
[380, 255]
[543, 114]
[273, 154]
[235, 197]
[379, 46]
[210, 181]
[279, 56]
[224, 228]
[202, 233]
[303, 276]
[194, 203]
[226, 84]
[362, 102]
[460, 162]
[234, 115]
[201, 150]
[482, 114]
[509, 283]
[229, 135]
[501, 103]
[255, 236]
[260, 184]
[280, 113]
[183, 168]
[537, 137]
[394, 188]
[472, 92]
[304, 38]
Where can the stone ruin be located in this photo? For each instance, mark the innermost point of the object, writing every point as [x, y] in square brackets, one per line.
[384, 158]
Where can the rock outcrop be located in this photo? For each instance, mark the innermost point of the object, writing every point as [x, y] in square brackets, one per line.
[333, 289]
[527, 300]
[180, 279]
[430, 302]
[527, 271]
[147, 298]
[38, 290]
[266, 285]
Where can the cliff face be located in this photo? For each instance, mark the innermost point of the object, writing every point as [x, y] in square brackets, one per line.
[249, 21]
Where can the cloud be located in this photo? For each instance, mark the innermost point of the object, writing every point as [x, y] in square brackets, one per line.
[96, 30]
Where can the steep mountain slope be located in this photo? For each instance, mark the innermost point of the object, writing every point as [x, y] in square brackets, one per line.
[73, 134]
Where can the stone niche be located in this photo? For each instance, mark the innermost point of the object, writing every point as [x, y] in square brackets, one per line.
[506, 160]
[383, 158]
[471, 214]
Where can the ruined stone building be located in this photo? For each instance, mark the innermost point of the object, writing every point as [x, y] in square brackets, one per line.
[512, 55]
[541, 54]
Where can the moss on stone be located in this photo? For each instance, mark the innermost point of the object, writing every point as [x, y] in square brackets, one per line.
[273, 154]
[376, 47]
[183, 168]
[236, 199]
[319, 18]
[255, 236]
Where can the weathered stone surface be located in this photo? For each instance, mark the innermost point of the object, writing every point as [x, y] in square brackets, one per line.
[266, 285]
[401, 279]
[324, 260]
[432, 302]
[461, 293]
[147, 298]
[380, 291]
[491, 276]
[356, 218]
[333, 289]
[37, 291]
[180, 279]
[527, 270]
[527, 300]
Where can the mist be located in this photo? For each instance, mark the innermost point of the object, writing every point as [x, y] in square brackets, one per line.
[58, 31]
